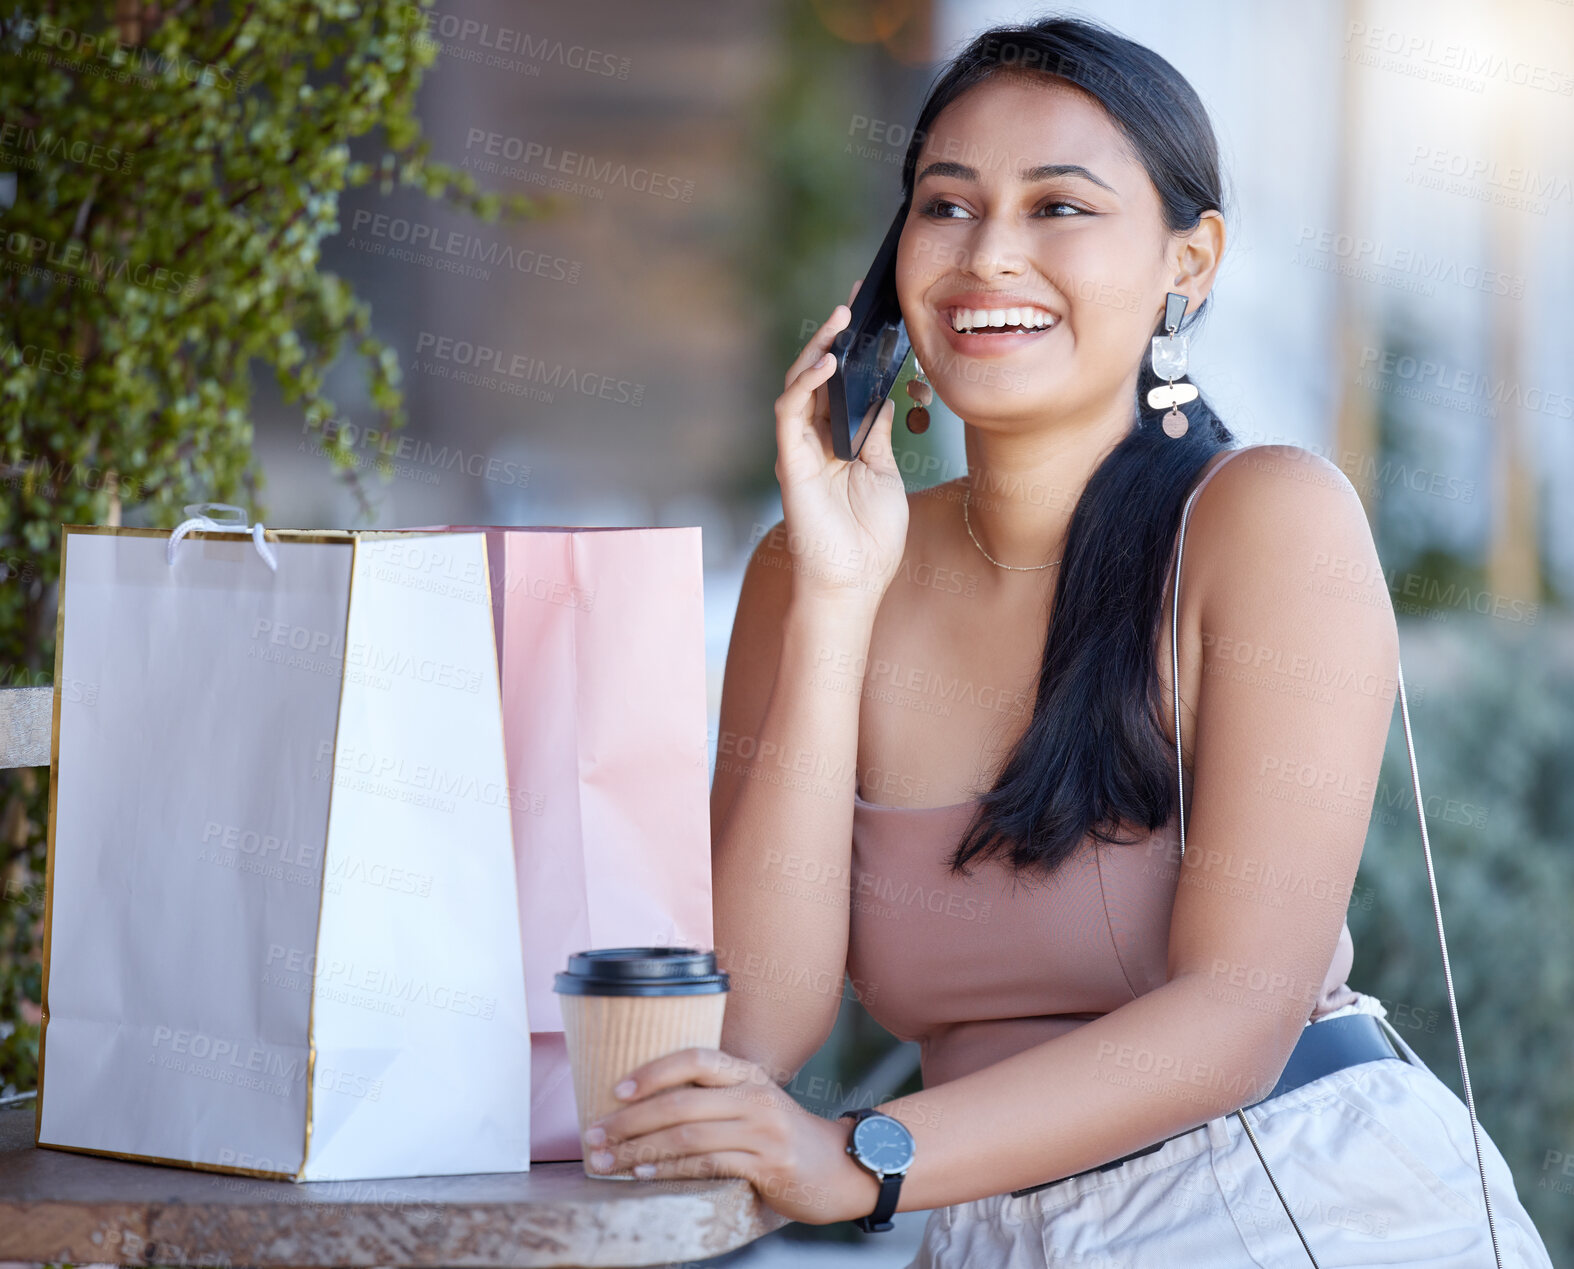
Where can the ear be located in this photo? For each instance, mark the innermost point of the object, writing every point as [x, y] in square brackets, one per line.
[1194, 259]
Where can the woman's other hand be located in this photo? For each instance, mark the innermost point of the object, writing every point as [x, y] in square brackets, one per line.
[737, 1122]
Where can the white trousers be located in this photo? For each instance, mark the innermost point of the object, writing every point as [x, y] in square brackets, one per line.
[1375, 1160]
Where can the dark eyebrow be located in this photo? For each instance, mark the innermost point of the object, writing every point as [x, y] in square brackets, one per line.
[1043, 172]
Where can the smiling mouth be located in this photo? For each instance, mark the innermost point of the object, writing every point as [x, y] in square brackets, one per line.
[1000, 321]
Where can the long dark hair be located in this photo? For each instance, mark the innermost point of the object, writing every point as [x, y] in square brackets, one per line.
[1094, 756]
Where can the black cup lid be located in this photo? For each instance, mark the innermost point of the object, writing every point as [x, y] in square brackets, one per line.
[641, 971]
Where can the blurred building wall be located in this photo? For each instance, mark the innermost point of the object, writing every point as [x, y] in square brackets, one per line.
[625, 347]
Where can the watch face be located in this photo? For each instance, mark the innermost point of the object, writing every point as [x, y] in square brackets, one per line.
[883, 1143]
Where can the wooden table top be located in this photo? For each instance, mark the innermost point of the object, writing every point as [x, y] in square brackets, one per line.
[60, 1206]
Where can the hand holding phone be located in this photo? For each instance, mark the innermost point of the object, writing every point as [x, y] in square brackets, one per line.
[846, 521]
[870, 350]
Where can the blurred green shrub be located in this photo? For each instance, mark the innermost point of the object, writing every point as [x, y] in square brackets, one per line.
[1492, 715]
[167, 173]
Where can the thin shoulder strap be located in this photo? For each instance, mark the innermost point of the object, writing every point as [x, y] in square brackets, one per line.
[1426, 846]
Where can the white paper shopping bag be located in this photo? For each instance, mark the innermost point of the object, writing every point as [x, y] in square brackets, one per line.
[281, 934]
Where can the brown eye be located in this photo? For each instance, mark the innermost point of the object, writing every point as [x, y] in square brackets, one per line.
[934, 208]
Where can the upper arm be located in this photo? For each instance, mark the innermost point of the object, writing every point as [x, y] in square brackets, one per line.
[753, 653]
[1296, 698]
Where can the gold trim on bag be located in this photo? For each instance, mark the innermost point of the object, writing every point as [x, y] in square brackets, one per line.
[178, 1163]
[49, 832]
[272, 535]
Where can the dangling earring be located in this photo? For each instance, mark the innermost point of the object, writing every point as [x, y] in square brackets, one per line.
[922, 393]
[1169, 362]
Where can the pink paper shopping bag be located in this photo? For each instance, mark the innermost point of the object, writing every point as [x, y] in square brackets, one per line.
[601, 647]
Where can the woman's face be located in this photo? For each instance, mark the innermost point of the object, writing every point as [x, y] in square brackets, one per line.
[1027, 200]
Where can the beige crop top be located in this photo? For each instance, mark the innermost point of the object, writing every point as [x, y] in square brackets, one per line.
[976, 970]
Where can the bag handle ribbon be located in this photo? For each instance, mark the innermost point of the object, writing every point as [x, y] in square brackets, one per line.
[232, 522]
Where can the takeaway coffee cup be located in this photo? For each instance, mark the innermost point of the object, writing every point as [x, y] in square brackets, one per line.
[625, 1006]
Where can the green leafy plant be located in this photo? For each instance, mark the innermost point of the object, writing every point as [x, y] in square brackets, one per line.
[167, 175]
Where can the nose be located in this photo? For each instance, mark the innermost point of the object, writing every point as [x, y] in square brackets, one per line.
[995, 250]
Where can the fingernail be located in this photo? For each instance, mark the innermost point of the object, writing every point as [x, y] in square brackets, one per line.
[625, 1089]
[644, 1171]
[595, 1136]
[601, 1160]
[824, 361]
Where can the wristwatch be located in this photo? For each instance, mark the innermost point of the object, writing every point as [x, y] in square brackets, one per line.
[882, 1146]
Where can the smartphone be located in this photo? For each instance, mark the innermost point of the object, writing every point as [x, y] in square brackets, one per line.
[869, 351]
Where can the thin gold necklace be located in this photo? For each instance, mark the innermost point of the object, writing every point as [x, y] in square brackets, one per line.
[1015, 568]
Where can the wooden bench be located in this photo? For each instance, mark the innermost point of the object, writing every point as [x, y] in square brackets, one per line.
[60, 1206]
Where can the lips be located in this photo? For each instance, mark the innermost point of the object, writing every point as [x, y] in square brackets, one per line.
[1008, 318]
[984, 324]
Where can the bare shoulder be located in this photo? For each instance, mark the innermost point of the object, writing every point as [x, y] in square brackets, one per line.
[1283, 524]
[753, 654]
[763, 600]
[767, 577]
[1272, 499]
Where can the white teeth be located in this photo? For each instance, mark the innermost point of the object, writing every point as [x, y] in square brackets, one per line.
[967, 319]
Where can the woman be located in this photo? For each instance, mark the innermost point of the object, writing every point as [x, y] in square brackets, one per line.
[980, 823]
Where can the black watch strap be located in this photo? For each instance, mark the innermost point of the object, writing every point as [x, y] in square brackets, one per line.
[879, 1220]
